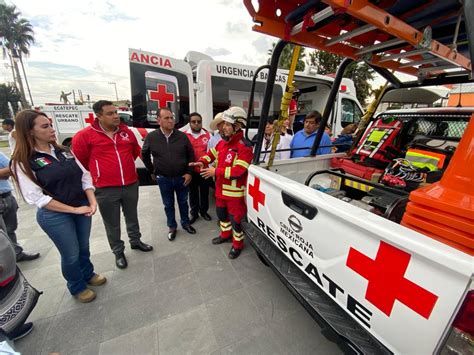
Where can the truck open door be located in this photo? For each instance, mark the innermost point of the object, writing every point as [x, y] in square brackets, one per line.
[159, 81]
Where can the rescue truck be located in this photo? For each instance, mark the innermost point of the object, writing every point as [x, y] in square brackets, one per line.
[199, 83]
[377, 244]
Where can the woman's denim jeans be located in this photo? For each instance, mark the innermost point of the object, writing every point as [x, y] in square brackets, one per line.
[70, 233]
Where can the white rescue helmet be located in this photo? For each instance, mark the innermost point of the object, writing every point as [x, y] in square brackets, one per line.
[235, 115]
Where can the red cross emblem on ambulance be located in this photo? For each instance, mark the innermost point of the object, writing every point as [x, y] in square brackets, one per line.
[90, 118]
[387, 283]
[161, 95]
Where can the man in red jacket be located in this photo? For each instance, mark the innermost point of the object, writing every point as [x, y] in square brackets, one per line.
[199, 187]
[108, 149]
[233, 154]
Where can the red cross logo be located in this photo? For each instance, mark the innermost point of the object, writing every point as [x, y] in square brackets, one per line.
[161, 95]
[257, 195]
[387, 282]
[90, 118]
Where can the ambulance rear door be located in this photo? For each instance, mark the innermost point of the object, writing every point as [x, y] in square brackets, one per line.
[159, 81]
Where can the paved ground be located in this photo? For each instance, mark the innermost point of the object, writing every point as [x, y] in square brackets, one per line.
[184, 297]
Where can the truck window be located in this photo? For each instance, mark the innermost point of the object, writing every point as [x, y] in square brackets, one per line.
[350, 112]
[235, 92]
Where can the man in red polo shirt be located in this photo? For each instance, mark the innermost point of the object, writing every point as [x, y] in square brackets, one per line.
[199, 187]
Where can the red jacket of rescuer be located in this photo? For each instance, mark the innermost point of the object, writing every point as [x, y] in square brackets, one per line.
[233, 160]
[199, 143]
[111, 162]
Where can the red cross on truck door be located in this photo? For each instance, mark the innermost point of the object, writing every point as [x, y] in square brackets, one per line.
[257, 195]
[161, 95]
[387, 282]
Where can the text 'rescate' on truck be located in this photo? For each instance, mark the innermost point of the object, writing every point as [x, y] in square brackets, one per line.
[200, 84]
[377, 244]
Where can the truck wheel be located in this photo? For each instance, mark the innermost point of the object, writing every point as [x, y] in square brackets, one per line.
[262, 259]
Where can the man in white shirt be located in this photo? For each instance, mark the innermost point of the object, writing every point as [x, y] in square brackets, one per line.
[9, 125]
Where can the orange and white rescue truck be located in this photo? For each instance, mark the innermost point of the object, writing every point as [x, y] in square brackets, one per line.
[378, 243]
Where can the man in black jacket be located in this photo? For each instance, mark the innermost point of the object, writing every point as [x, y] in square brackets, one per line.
[172, 152]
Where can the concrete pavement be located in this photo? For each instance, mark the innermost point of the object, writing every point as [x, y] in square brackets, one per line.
[185, 297]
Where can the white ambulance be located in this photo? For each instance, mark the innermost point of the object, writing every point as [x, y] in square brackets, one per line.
[201, 84]
[67, 120]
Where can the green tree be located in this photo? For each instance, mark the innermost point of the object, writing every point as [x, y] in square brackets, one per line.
[17, 36]
[9, 95]
[286, 55]
[360, 73]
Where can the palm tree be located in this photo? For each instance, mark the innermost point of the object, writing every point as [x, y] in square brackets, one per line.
[9, 96]
[17, 36]
[22, 39]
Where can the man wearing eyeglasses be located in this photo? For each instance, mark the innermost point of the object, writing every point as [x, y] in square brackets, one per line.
[172, 152]
[199, 187]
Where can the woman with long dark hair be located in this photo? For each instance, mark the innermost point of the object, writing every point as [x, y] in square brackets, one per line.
[51, 178]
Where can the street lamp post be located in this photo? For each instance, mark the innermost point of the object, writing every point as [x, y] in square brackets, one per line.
[115, 85]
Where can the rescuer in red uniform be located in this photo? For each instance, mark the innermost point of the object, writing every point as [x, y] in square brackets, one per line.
[233, 154]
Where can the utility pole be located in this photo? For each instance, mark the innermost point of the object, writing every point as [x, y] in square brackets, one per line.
[115, 85]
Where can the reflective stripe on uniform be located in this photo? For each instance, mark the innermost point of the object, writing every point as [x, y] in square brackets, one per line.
[233, 188]
[227, 172]
[233, 194]
[206, 158]
[242, 163]
[225, 226]
[214, 152]
[238, 236]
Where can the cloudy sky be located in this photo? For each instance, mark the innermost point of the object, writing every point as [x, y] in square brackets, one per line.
[83, 45]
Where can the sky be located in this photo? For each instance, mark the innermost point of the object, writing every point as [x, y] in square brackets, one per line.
[83, 45]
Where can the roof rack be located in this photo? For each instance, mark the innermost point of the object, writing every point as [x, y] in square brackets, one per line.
[422, 38]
